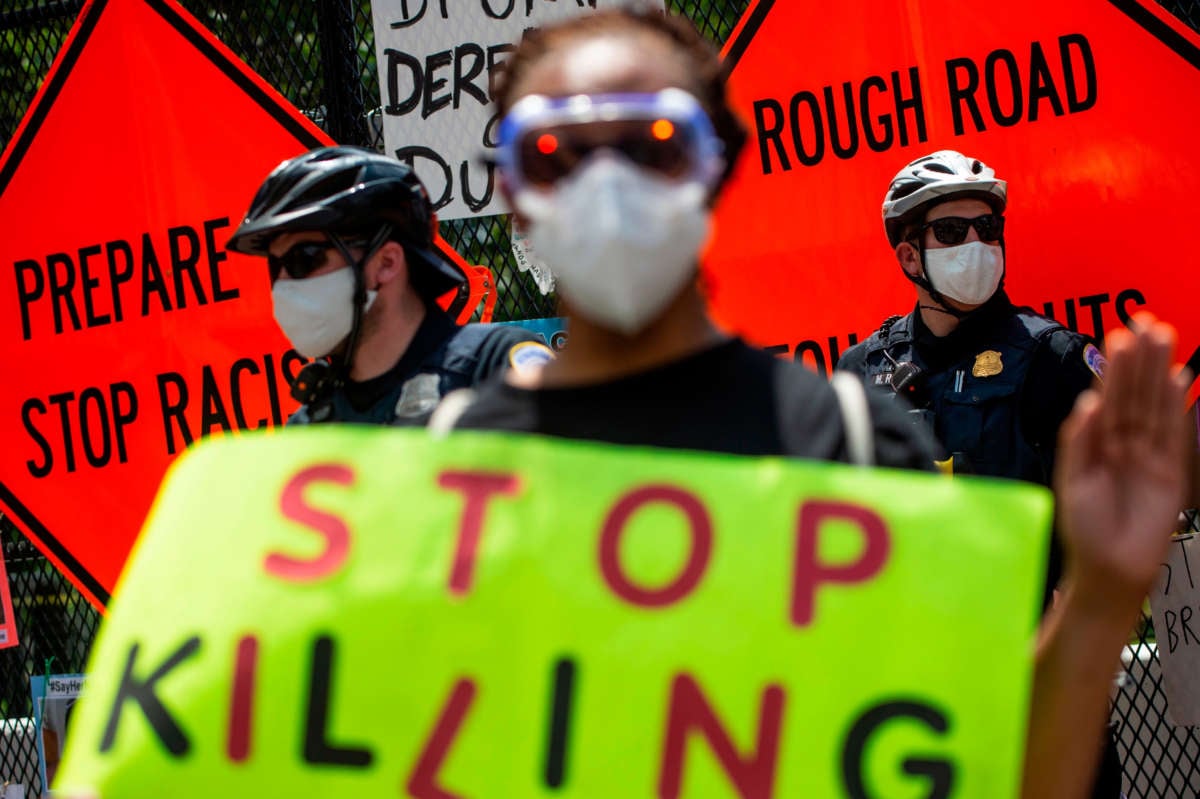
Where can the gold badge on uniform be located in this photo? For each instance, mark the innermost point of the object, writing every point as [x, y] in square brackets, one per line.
[987, 363]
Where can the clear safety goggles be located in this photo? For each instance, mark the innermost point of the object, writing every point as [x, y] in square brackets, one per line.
[542, 139]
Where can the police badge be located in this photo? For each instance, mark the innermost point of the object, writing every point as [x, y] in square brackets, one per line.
[987, 363]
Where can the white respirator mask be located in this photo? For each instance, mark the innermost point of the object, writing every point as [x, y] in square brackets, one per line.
[621, 242]
[317, 313]
[969, 273]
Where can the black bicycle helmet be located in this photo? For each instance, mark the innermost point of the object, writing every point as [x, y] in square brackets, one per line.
[934, 178]
[350, 192]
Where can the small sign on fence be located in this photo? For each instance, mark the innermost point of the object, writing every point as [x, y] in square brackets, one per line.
[54, 699]
[1175, 606]
[8, 624]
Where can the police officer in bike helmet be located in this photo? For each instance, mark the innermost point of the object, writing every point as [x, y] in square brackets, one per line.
[348, 235]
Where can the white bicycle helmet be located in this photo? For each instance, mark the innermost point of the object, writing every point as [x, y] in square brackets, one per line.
[933, 178]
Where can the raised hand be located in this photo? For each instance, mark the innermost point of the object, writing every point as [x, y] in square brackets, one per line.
[1119, 484]
[1122, 469]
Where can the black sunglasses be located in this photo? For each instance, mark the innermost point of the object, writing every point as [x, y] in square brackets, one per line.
[301, 260]
[954, 229]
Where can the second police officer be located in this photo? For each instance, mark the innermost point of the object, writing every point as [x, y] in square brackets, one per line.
[994, 382]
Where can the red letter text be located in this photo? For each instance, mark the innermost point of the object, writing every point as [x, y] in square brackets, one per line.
[241, 704]
[337, 535]
[477, 489]
[699, 525]
[811, 572]
[753, 775]
[423, 782]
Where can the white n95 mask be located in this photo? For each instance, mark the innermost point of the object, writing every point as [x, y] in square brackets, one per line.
[969, 273]
[620, 241]
[316, 313]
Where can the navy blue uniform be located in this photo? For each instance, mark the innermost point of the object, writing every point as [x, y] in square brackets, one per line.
[994, 391]
[442, 357]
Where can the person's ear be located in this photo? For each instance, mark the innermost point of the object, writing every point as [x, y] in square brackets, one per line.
[909, 259]
[387, 265]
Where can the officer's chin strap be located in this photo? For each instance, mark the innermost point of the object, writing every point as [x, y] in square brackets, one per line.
[943, 306]
[317, 380]
[345, 359]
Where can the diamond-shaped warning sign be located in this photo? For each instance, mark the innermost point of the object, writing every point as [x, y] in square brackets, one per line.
[128, 330]
[1089, 109]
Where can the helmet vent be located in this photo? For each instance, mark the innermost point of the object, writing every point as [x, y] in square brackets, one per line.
[942, 168]
[325, 188]
[330, 154]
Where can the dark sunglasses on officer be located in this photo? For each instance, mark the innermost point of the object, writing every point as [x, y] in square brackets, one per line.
[952, 230]
[303, 258]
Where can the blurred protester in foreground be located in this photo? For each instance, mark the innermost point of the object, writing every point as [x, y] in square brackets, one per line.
[615, 140]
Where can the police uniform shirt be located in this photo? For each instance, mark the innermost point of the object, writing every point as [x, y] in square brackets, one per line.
[729, 398]
[442, 357]
[994, 391]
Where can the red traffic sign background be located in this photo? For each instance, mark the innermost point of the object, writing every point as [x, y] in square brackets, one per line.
[1089, 110]
[128, 330]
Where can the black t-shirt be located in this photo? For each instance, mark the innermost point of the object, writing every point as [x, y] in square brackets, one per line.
[729, 398]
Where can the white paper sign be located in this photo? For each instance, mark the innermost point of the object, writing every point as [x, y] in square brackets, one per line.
[437, 62]
[1175, 605]
[527, 260]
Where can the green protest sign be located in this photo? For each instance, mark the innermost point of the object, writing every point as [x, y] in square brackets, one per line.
[365, 612]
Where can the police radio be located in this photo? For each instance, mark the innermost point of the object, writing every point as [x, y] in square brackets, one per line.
[908, 380]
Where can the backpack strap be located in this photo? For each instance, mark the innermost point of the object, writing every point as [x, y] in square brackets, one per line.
[856, 418]
[446, 415]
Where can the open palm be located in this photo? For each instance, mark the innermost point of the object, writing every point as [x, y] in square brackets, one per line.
[1121, 478]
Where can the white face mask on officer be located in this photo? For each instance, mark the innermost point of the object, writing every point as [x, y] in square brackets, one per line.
[621, 241]
[969, 273]
[317, 313]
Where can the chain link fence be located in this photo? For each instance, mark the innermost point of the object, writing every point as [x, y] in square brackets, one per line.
[320, 54]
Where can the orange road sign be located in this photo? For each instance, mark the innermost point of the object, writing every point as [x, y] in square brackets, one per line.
[128, 330]
[1087, 108]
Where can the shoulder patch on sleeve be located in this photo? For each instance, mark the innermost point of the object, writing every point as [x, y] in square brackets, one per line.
[1094, 360]
[529, 355]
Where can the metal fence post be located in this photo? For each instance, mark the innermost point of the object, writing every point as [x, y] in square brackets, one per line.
[341, 78]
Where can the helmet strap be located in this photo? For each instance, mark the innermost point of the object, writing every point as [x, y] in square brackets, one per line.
[943, 306]
[343, 361]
